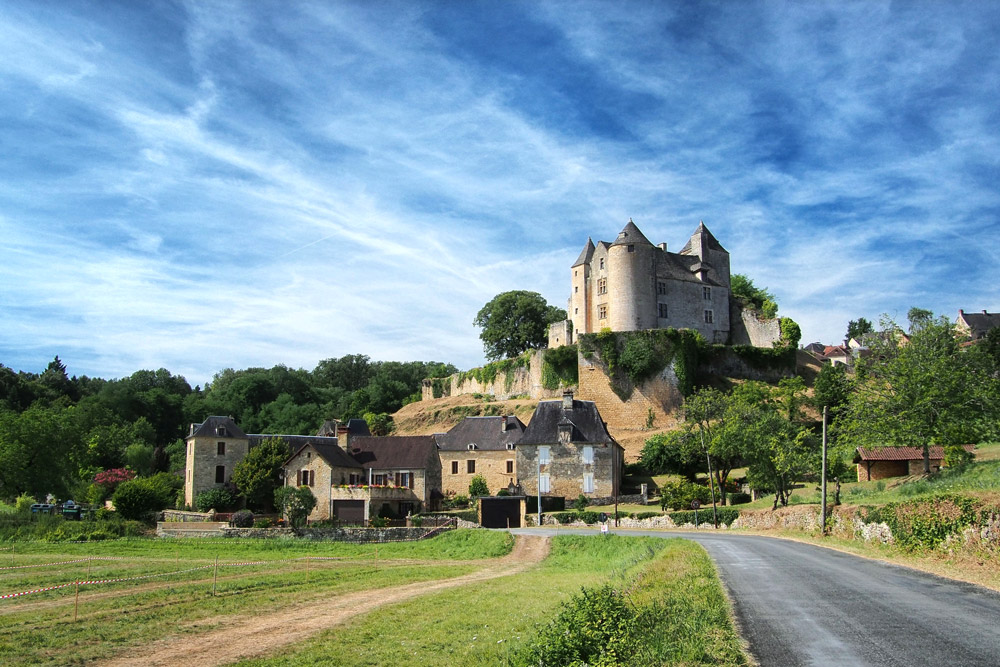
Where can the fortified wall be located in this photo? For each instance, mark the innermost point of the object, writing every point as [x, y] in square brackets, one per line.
[501, 380]
[746, 328]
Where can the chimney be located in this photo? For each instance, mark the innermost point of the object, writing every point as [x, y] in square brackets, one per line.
[503, 423]
[663, 247]
[984, 312]
[567, 400]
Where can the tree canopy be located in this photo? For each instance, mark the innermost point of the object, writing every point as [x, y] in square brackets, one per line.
[513, 322]
[859, 328]
[758, 298]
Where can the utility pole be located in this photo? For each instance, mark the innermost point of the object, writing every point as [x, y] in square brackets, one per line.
[823, 477]
[711, 479]
[539, 456]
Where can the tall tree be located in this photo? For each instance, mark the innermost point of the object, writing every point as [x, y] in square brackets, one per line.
[258, 475]
[928, 391]
[512, 322]
[858, 328]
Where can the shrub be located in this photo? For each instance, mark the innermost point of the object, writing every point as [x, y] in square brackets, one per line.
[726, 516]
[589, 518]
[219, 499]
[478, 487]
[678, 495]
[565, 517]
[581, 502]
[647, 515]
[23, 503]
[242, 519]
[263, 522]
[295, 503]
[739, 498]
[379, 522]
[138, 499]
[956, 456]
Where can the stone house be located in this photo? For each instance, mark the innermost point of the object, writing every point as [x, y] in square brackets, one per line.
[479, 446]
[402, 472]
[215, 446]
[566, 451]
[630, 285]
[321, 467]
[876, 463]
[976, 325]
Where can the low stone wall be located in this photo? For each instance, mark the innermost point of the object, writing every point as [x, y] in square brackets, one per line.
[186, 517]
[630, 499]
[191, 529]
[798, 518]
[331, 534]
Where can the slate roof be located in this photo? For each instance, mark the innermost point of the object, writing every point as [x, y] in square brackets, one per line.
[331, 453]
[901, 453]
[588, 427]
[294, 442]
[586, 254]
[631, 234]
[682, 267]
[209, 428]
[979, 323]
[484, 432]
[710, 241]
[393, 451]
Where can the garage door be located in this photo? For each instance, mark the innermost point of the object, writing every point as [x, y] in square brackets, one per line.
[497, 512]
[349, 511]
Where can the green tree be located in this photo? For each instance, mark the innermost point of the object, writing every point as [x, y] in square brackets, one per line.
[831, 389]
[859, 328]
[140, 498]
[380, 424]
[512, 322]
[928, 391]
[919, 318]
[259, 473]
[758, 298]
[295, 504]
[673, 453]
[478, 487]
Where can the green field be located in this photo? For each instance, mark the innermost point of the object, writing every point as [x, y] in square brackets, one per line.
[172, 590]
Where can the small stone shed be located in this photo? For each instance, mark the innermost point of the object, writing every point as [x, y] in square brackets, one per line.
[876, 463]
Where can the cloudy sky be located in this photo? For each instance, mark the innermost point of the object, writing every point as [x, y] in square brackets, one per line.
[210, 185]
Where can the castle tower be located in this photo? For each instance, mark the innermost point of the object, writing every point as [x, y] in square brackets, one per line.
[580, 298]
[631, 292]
[706, 247]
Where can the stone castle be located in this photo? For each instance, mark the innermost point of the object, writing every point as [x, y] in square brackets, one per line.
[631, 284]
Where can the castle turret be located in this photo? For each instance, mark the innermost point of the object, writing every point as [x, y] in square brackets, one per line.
[714, 258]
[579, 313]
[630, 287]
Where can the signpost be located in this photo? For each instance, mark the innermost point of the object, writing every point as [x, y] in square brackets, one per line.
[695, 505]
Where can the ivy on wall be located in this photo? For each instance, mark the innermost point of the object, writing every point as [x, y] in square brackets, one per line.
[631, 357]
[491, 371]
[560, 367]
[440, 387]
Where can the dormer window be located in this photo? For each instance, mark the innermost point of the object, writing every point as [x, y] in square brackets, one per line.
[471, 446]
[510, 445]
[220, 430]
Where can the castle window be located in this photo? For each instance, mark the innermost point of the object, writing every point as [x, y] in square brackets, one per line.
[454, 467]
[602, 262]
[708, 317]
[602, 286]
[661, 287]
[220, 474]
[576, 311]
[706, 293]
[220, 449]
[661, 310]
[470, 466]
[631, 248]
[576, 289]
[602, 312]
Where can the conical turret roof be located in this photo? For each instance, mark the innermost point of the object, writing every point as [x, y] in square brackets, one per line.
[631, 234]
[586, 254]
[708, 241]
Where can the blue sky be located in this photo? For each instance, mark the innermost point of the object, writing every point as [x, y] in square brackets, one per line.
[209, 185]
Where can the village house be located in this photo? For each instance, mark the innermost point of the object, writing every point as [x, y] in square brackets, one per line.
[976, 325]
[876, 463]
[566, 451]
[479, 446]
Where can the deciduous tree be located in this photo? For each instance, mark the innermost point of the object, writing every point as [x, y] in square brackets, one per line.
[512, 322]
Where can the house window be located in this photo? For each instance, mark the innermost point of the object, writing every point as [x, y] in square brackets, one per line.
[588, 454]
[354, 479]
[379, 480]
[661, 287]
[220, 474]
[543, 454]
[602, 312]
[708, 317]
[588, 482]
[305, 478]
[602, 286]
[220, 449]
[510, 467]
[661, 310]
[221, 431]
[543, 482]
[470, 466]
[404, 479]
[706, 293]
[454, 467]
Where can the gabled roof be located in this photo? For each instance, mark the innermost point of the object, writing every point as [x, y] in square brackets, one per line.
[708, 240]
[586, 254]
[682, 267]
[294, 442]
[393, 451]
[588, 427]
[836, 351]
[979, 323]
[331, 453]
[901, 453]
[630, 234]
[484, 432]
[210, 428]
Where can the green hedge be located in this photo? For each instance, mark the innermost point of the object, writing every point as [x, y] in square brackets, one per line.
[927, 522]
[726, 515]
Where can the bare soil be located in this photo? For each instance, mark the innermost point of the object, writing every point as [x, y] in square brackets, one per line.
[241, 637]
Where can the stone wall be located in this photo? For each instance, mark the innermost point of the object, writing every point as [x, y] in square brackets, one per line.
[491, 464]
[726, 363]
[522, 381]
[659, 394]
[330, 534]
[746, 328]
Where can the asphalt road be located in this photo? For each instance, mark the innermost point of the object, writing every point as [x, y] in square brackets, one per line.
[799, 604]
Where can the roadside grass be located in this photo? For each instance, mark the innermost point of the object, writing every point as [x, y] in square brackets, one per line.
[493, 622]
[40, 628]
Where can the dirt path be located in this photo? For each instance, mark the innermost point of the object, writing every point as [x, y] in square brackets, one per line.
[242, 637]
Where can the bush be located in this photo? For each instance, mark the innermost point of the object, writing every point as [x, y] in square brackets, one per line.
[956, 456]
[380, 522]
[565, 517]
[739, 498]
[263, 522]
[581, 502]
[242, 519]
[295, 503]
[679, 495]
[726, 516]
[138, 499]
[647, 515]
[219, 499]
[478, 487]
[23, 504]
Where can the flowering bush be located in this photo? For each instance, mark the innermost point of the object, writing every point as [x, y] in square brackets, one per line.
[113, 477]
